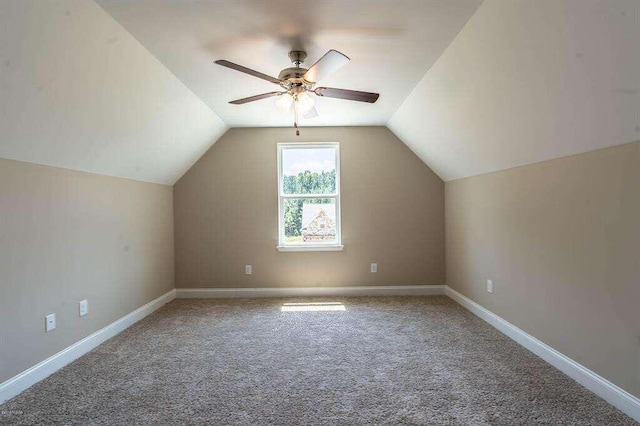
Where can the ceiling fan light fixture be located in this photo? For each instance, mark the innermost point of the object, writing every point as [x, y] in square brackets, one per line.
[284, 101]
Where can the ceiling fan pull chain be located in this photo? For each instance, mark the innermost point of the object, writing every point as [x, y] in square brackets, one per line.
[295, 116]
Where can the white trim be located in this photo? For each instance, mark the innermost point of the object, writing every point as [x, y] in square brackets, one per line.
[281, 196]
[33, 375]
[402, 290]
[312, 247]
[597, 384]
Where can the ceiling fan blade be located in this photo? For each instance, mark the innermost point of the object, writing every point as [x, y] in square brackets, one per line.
[328, 64]
[256, 98]
[247, 71]
[351, 95]
[313, 113]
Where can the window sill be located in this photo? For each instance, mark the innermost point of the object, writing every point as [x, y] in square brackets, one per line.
[318, 247]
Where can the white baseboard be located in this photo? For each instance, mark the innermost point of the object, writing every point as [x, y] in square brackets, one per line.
[33, 375]
[611, 393]
[405, 290]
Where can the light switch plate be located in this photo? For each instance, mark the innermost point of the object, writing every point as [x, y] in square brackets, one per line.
[374, 268]
[490, 286]
[248, 270]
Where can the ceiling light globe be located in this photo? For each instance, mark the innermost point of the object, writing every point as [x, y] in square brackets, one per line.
[305, 102]
[284, 102]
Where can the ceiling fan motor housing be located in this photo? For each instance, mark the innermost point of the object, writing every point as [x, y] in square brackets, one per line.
[293, 75]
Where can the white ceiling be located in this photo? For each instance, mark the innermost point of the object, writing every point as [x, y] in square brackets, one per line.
[522, 81]
[79, 92]
[528, 81]
[391, 45]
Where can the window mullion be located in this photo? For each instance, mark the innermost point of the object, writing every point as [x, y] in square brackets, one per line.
[309, 195]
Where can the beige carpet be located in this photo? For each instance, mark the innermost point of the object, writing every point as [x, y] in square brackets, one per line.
[392, 360]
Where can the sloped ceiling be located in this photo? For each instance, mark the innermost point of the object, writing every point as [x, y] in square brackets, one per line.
[527, 81]
[391, 45]
[521, 81]
[77, 91]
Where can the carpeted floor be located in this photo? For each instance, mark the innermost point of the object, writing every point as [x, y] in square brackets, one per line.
[388, 360]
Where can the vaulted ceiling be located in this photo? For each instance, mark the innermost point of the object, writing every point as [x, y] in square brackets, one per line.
[78, 92]
[391, 45]
[528, 81]
[128, 88]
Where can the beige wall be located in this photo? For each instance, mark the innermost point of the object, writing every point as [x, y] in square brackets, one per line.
[67, 236]
[226, 214]
[561, 241]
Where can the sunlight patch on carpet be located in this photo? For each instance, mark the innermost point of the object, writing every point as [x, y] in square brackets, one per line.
[313, 307]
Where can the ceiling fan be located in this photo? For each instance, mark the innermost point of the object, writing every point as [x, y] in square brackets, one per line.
[298, 83]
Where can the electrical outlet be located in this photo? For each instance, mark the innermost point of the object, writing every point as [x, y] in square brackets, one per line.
[490, 286]
[374, 268]
[83, 307]
[248, 270]
[50, 322]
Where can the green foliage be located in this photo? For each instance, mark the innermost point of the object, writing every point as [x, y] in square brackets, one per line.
[310, 183]
[305, 183]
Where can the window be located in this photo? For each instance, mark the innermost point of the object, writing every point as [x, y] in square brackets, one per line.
[309, 196]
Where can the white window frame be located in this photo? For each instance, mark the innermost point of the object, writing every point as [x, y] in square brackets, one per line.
[317, 246]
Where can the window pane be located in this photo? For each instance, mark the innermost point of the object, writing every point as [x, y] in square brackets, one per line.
[309, 220]
[309, 171]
